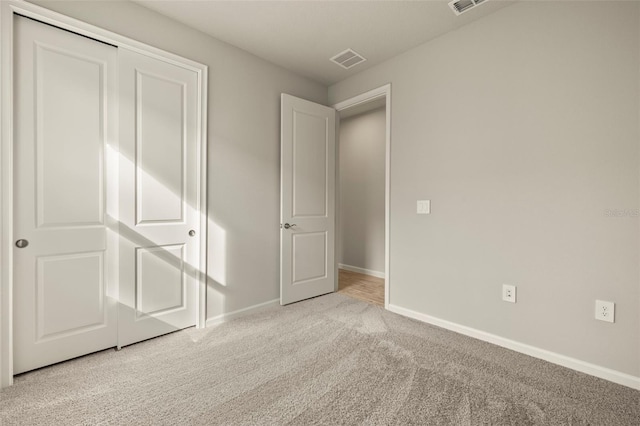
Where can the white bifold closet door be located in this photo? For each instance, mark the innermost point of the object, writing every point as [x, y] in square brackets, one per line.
[65, 119]
[106, 195]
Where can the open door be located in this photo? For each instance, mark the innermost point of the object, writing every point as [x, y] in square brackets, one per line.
[307, 200]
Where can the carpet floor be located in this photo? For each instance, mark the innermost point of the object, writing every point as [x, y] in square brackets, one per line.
[331, 360]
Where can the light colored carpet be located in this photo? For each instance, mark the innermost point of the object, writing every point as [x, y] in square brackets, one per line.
[326, 361]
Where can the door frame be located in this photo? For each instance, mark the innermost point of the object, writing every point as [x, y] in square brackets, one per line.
[371, 95]
[9, 8]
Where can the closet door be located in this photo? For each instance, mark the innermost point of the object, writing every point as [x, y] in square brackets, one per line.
[159, 187]
[64, 126]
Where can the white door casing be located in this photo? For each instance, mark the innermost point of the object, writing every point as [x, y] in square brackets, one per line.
[307, 210]
[65, 122]
[159, 204]
[371, 95]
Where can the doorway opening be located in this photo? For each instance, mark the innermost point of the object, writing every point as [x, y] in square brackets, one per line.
[362, 207]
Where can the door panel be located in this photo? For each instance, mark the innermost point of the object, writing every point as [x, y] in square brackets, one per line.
[309, 256]
[65, 119]
[161, 149]
[70, 294]
[307, 200]
[61, 178]
[159, 187]
[160, 285]
[309, 165]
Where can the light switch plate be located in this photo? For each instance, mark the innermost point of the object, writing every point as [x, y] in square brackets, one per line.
[424, 207]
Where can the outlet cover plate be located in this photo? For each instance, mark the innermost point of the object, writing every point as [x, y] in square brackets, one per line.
[605, 311]
[509, 293]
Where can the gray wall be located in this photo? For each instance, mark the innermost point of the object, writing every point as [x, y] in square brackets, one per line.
[244, 147]
[523, 130]
[361, 215]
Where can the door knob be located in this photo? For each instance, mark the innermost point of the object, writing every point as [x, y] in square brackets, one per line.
[287, 226]
[192, 233]
[22, 243]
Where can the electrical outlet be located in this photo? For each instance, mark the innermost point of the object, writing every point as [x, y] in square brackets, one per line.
[605, 311]
[509, 293]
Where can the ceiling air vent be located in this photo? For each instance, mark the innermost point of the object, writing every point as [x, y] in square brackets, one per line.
[348, 59]
[461, 6]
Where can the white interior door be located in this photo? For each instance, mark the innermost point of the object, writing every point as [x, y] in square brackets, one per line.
[307, 210]
[64, 295]
[159, 204]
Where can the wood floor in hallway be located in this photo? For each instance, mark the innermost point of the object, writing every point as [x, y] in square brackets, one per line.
[362, 287]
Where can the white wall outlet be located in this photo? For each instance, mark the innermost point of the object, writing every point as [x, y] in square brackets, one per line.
[509, 293]
[605, 311]
[424, 207]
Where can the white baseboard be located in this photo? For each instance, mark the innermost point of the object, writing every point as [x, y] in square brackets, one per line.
[240, 312]
[371, 272]
[555, 358]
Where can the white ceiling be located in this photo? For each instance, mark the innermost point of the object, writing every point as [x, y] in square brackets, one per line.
[302, 35]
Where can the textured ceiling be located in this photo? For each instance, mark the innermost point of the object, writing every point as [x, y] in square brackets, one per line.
[302, 35]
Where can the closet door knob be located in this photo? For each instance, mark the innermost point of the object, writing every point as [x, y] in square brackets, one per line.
[192, 233]
[22, 243]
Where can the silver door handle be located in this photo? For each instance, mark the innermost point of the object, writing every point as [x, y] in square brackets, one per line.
[287, 226]
[22, 243]
[192, 233]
